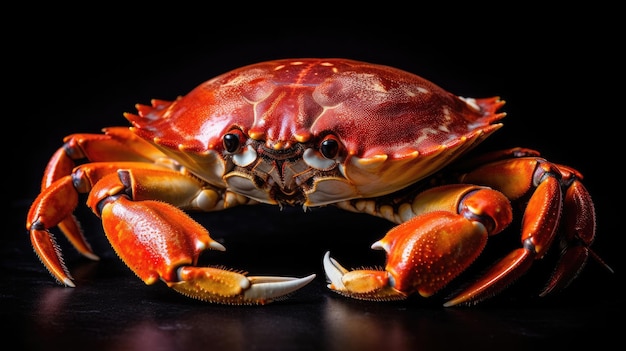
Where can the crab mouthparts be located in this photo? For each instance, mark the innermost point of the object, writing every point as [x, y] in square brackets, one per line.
[275, 176]
[286, 197]
[285, 185]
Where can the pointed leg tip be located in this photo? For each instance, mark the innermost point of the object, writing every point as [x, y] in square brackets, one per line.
[449, 304]
[466, 299]
[91, 256]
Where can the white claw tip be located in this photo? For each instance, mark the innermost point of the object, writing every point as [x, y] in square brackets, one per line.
[379, 245]
[214, 245]
[334, 272]
[270, 288]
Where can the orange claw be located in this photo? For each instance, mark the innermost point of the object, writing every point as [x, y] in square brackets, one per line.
[158, 241]
[428, 251]
[423, 255]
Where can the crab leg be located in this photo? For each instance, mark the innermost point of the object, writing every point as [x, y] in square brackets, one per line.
[578, 233]
[117, 144]
[50, 208]
[541, 218]
[141, 215]
[560, 206]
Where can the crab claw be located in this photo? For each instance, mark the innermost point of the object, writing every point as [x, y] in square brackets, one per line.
[227, 287]
[423, 255]
[373, 285]
[160, 242]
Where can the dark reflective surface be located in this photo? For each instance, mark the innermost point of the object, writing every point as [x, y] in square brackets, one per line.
[112, 310]
[81, 86]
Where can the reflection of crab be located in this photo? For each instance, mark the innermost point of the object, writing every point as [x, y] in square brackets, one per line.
[313, 132]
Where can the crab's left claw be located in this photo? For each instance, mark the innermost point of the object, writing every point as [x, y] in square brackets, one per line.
[160, 242]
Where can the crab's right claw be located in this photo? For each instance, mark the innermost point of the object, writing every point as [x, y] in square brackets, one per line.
[227, 287]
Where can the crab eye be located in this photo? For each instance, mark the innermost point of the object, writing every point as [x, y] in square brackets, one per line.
[329, 147]
[233, 141]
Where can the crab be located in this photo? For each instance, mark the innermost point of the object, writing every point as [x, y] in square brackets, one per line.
[312, 132]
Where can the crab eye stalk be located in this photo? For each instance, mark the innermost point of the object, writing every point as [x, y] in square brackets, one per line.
[233, 141]
[329, 147]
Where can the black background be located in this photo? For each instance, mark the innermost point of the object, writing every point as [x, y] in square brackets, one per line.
[78, 71]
